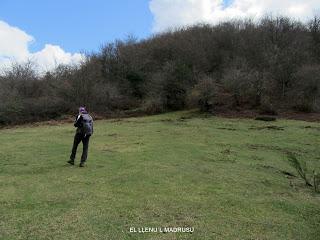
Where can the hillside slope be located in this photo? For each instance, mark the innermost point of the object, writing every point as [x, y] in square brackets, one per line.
[221, 176]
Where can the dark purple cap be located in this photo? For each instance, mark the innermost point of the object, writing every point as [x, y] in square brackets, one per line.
[82, 110]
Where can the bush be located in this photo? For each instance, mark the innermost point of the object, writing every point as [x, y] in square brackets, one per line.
[203, 95]
[153, 105]
[177, 78]
[267, 107]
[305, 92]
[244, 83]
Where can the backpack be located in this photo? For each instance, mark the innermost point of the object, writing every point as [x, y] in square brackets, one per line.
[87, 124]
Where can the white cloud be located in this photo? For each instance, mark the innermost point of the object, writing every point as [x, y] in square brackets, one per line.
[176, 13]
[14, 47]
[52, 55]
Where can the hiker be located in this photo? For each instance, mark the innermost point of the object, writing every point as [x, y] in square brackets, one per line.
[84, 125]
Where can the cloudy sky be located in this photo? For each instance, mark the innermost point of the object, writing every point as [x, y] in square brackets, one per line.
[54, 32]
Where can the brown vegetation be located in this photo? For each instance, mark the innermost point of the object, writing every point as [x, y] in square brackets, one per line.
[269, 66]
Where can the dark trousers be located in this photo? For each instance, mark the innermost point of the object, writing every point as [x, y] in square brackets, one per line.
[85, 141]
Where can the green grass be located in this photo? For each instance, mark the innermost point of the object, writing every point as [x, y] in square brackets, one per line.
[221, 176]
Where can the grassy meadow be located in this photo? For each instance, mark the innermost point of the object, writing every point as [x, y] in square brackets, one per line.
[224, 177]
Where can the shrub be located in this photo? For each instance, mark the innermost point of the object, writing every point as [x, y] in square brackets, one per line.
[267, 107]
[305, 92]
[203, 95]
[244, 83]
[153, 105]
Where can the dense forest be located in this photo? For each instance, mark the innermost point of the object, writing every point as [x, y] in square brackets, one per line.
[269, 65]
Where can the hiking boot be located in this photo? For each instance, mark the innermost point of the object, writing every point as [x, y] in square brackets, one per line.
[81, 165]
[71, 162]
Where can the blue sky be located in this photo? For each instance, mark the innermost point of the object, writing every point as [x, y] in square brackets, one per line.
[77, 25]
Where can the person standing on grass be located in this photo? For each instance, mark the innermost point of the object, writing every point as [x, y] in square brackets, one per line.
[84, 125]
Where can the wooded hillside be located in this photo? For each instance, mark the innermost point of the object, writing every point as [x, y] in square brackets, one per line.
[269, 65]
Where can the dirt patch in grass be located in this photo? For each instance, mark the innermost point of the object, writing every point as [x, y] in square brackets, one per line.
[267, 128]
[274, 148]
[229, 129]
[38, 124]
[276, 170]
[169, 120]
[109, 150]
[312, 127]
[112, 135]
[267, 147]
[309, 117]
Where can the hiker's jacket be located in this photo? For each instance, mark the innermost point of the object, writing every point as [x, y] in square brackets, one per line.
[80, 120]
